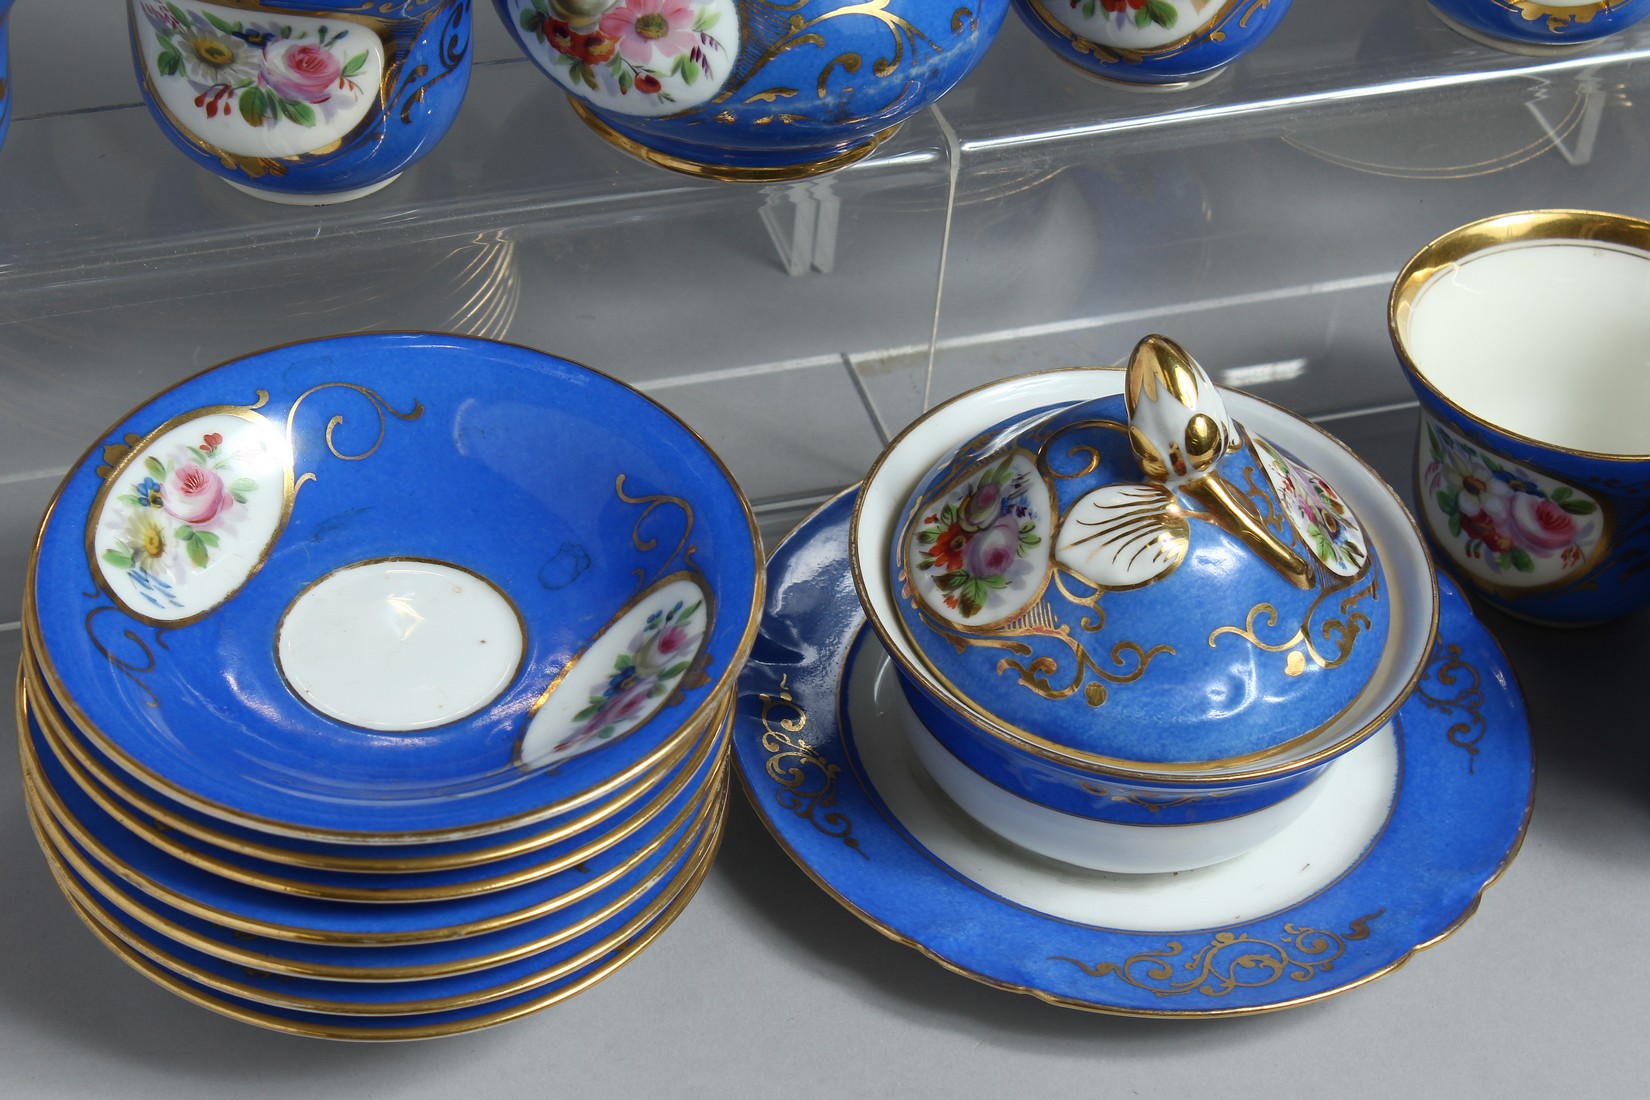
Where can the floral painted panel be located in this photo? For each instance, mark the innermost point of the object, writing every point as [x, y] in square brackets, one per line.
[1503, 523]
[637, 57]
[252, 84]
[1134, 24]
[624, 677]
[1316, 511]
[184, 520]
[979, 553]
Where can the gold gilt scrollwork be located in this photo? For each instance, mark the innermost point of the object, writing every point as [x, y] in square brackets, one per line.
[1558, 16]
[379, 407]
[684, 549]
[1339, 634]
[1269, 513]
[798, 31]
[140, 661]
[1447, 670]
[1232, 961]
[1128, 660]
[807, 781]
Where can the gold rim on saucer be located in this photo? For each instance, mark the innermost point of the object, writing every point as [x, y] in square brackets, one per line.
[343, 1031]
[684, 871]
[96, 882]
[162, 838]
[62, 826]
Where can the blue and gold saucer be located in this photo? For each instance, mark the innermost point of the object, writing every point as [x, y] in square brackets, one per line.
[1409, 831]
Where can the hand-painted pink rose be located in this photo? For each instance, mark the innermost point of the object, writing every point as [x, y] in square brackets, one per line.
[1540, 526]
[195, 495]
[982, 507]
[623, 706]
[300, 70]
[991, 553]
[672, 645]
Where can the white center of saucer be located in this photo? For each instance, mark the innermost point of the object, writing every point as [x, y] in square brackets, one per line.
[400, 644]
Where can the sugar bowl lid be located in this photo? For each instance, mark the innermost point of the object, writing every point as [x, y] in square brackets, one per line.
[1139, 580]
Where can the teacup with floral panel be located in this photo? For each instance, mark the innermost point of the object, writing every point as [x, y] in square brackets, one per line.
[303, 101]
[1540, 26]
[1525, 337]
[752, 90]
[1152, 43]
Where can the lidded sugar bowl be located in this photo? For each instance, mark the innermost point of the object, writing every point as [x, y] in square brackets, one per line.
[1135, 625]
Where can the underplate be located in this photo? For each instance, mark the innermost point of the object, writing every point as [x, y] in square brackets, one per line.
[375, 998]
[296, 592]
[1393, 857]
[45, 749]
[353, 962]
[102, 849]
[420, 1026]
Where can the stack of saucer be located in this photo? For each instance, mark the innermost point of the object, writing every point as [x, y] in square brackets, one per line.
[378, 687]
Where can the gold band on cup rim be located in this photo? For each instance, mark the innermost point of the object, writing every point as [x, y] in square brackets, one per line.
[1520, 227]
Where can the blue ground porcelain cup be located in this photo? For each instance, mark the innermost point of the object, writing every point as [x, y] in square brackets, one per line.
[1540, 26]
[1524, 337]
[5, 68]
[1152, 43]
[305, 101]
[754, 90]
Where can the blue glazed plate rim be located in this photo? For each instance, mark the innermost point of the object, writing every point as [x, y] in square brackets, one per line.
[1469, 750]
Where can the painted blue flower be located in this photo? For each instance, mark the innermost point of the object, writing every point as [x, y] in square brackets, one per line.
[148, 492]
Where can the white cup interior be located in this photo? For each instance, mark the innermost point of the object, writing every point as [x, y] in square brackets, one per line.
[1547, 339]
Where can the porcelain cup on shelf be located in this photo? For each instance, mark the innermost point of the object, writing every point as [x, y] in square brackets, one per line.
[752, 90]
[1137, 619]
[305, 102]
[1153, 44]
[1527, 339]
[1540, 27]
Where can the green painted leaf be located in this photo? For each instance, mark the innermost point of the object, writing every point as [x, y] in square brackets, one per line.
[117, 559]
[197, 552]
[674, 670]
[588, 712]
[1162, 13]
[177, 13]
[1521, 560]
[622, 662]
[1578, 507]
[1562, 493]
[301, 113]
[221, 24]
[950, 582]
[1446, 503]
[169, 63]
[185, 532]
[1455, 523]
[156, 470]
[928, 536]
[243, 484]
[355, 64]
[252, 108]
[207, 537]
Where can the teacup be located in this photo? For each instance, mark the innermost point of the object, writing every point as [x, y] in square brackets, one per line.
[1540, 26]
[303, 102]
[1165, 44]
[1527, 339]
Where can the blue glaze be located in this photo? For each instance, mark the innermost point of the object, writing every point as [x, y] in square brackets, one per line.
[534, 971]
[1617, 584]
[544, 904]
[1520, 24]
[5, 68]
[1112, 45]
[1462, 802]
[499, 459]
[780, 86]
[1167, 678]
[427, 47]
